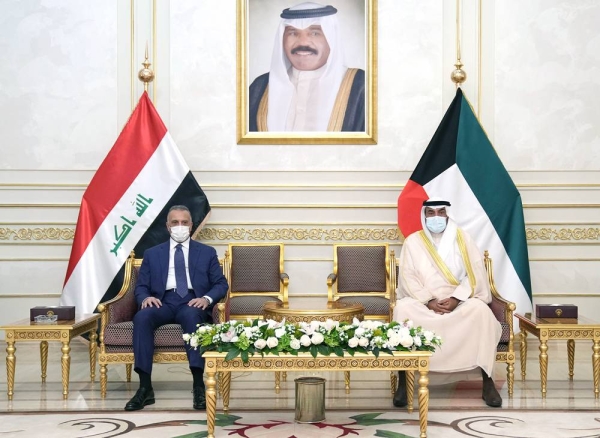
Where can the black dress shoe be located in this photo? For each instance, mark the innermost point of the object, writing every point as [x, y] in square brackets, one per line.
[490, 394]
[143, 397]
[400, 398]
[199, 398]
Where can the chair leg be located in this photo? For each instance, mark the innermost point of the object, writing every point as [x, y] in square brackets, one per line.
[277, 381]
[103, 379]
[510, 372]
[347, 381]
[128, 371]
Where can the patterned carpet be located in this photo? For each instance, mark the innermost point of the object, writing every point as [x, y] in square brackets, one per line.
[280, 424]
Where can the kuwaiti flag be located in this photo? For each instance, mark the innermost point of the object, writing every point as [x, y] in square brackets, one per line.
[461, 166]
[125, 207]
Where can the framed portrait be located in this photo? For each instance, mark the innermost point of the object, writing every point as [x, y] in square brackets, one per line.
[306, 72]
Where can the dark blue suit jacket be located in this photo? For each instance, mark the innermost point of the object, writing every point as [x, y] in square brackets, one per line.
[206, 274]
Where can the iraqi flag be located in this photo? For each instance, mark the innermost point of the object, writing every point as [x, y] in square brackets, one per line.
[125, 207]
[461, 166]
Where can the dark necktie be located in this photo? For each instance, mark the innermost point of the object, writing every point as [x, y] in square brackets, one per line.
[180, 275]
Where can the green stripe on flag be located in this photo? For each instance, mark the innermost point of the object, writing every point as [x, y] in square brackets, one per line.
[490, 182]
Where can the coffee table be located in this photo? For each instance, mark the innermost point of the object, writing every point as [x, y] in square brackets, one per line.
[569, 329]
[62, 331]
[342, 312]
[400, 360]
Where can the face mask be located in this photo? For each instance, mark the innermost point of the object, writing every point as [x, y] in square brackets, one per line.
[180, 233]
[435, 224]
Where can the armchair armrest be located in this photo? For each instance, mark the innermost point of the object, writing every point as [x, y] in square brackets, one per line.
[331, 279]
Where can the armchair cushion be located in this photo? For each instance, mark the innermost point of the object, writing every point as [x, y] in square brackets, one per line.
[249, 305]
[360, 269]
[255, 268]
[372, 305]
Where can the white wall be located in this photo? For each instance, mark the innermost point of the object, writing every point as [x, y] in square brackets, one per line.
[67, 75]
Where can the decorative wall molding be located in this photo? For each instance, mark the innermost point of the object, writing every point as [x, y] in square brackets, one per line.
[562, 234]
[284, 234]
[50, 233]
[534, 235]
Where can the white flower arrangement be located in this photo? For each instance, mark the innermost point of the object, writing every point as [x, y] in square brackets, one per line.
[246, 338]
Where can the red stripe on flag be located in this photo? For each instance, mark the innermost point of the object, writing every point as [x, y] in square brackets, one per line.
[410, 203]
[137, 142]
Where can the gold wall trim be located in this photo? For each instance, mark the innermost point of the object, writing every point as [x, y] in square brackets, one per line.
[300, 234]
[53, 233]
[562, 234]
[346, 233]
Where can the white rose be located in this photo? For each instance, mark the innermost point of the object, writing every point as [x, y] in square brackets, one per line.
[186, 337]
[295, 343]
[359, 332]
[272, 342]
[279, 332]
[194, 342]
[417, 341]
[406, 341]
[355, 321]
[317, 338]
[315, 325]
[363, 342]
[330, 324]
[260, 344]
[353, 342]
[428, 335]
[305, 340]
[393, 341]
[404, 332]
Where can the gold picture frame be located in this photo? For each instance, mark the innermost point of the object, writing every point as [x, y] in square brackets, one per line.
[265, 10]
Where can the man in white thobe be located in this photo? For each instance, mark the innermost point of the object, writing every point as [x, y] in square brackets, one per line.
[444, 288]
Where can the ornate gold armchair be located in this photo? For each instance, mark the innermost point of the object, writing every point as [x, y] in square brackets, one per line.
[255, 275]
[116, 329]
[503, 311]
[364, 274]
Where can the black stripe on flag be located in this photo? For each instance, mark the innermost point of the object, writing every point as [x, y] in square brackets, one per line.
[441, 151]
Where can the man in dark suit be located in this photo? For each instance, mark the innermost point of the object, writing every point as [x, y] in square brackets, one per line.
[179, 282]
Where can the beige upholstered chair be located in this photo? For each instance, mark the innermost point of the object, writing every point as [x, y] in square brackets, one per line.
[116, 329]
[365, 274]
[255, 275]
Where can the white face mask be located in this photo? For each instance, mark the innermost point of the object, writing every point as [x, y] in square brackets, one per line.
[435, 224]
[180, 233]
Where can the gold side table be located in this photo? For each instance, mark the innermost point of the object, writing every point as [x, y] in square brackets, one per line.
[568, 329]
[62, 331]
[342, 312]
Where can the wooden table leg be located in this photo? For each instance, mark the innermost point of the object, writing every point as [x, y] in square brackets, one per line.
[423, 403]
[93, 347]
[277, 381]
[226, 390]
[410, 390]
[44, 359]
[347, 381]
[211, 400]
[571, 356]
[523, 354]
[596, 366]
[544, 365]
[11, 365]
[66, 366]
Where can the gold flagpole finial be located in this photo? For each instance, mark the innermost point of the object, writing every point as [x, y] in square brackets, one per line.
[146, 75]
[458, 76]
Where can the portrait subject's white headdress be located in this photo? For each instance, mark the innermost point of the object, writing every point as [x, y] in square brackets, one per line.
[281, 89]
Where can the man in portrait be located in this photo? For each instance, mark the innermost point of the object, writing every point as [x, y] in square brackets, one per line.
[308, 87]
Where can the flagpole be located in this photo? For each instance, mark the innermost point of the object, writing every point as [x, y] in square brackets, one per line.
[146, 75]
[458, 76]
